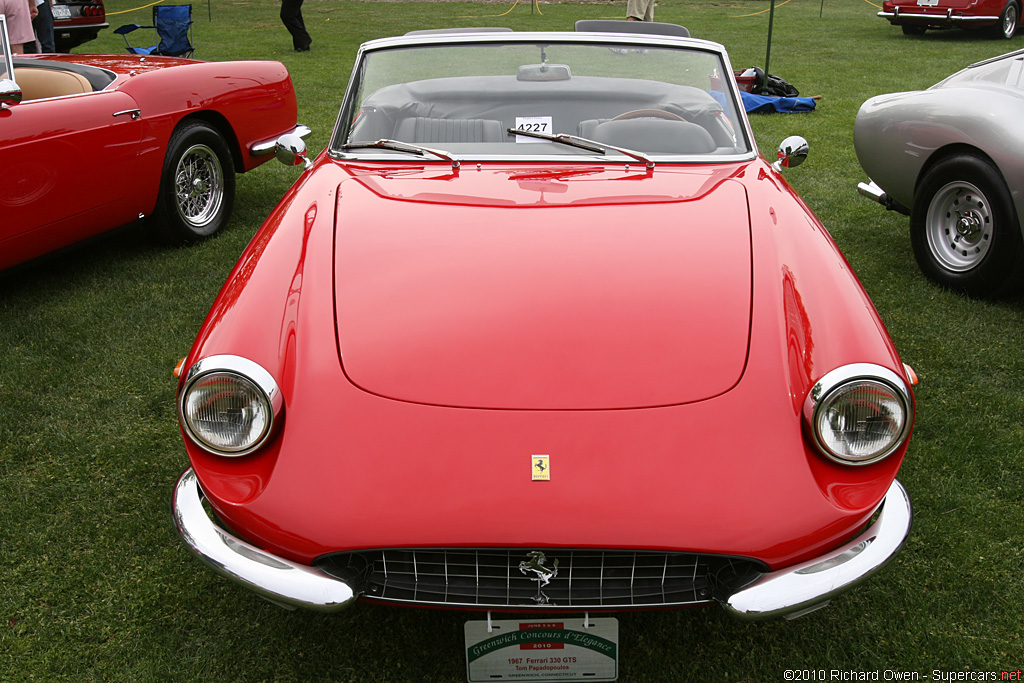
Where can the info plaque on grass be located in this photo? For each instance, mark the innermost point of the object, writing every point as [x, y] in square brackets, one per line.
[556, 649]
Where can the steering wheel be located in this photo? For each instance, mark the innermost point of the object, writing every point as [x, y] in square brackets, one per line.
[649, 114]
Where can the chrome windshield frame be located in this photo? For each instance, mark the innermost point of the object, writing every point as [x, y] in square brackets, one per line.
[5, 50]
[349, 101]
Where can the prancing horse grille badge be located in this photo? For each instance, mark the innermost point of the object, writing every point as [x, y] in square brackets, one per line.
[541, 468]
[535, 564]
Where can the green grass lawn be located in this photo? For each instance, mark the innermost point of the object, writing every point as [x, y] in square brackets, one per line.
[96, 585]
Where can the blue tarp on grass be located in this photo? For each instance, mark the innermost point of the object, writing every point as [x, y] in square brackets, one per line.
[767, 104]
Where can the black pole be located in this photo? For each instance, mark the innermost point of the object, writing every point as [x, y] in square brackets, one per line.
[768, 55]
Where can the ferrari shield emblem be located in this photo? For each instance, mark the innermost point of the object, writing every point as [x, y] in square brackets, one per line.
[541, 468]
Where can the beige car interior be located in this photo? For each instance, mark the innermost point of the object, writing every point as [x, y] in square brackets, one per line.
[38, 84]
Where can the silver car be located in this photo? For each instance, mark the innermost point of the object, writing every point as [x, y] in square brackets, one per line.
[952, 158]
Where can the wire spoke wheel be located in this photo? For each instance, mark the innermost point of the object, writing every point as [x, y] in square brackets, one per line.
[959, 226]
[199, 186]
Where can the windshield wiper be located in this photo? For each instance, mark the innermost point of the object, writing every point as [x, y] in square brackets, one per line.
[398, 146]
[585, 143]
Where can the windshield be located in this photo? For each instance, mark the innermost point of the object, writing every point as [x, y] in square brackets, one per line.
[1005, 70]
[469, 100]
[6, 70]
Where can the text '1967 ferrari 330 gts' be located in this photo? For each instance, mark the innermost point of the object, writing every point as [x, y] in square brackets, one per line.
[537, 333]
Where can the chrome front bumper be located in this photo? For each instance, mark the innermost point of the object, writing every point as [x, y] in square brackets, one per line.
[789, 592]
[279, 580]
[802, 588]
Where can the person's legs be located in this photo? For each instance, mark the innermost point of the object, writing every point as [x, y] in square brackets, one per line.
[291, 17]
[640, 10]
[43, 25]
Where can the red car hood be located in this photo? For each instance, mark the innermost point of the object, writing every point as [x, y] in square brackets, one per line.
[479, 289]
[413, 266]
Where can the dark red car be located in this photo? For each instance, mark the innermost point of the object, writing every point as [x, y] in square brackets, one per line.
[1000, 17]
[76, 22]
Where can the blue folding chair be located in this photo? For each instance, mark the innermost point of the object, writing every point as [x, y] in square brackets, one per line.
[173, 26]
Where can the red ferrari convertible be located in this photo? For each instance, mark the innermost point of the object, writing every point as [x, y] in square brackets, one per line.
[542, 332]
[89, 143]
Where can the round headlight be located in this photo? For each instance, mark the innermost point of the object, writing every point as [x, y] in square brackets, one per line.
[229, 405]
[859, 414]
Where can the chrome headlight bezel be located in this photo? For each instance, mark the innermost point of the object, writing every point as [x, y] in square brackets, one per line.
[247, 373]
[839, 382]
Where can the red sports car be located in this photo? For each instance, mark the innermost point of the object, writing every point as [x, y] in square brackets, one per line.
[1000, 17]
[542, 332]
[89, 143]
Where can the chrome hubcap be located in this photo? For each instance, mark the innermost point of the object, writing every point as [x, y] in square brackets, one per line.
[959, 226]
[968, 227]
[199, 186]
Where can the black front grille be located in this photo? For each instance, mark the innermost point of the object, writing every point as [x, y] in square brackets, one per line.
[548, 579]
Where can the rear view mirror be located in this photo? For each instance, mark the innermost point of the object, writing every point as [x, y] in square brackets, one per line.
[544, 72]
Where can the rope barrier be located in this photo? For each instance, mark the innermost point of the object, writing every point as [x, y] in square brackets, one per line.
[134, 9]
[764, 11]
[536, 3]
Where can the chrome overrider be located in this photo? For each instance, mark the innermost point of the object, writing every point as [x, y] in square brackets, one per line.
[789, 592]
[263, 147]
[872, 191]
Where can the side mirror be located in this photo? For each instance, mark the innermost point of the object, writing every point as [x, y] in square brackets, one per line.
[10, 93]
[792, 152]
[290, 150]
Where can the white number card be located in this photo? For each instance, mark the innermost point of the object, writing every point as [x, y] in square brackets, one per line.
[533, 124]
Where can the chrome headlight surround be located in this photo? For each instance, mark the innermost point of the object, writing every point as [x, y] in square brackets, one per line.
[859, 414]
[230, 405]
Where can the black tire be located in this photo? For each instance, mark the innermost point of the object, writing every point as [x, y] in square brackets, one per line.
[1008, 21]
[913, 29]
[964, 228]
[197, 185]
